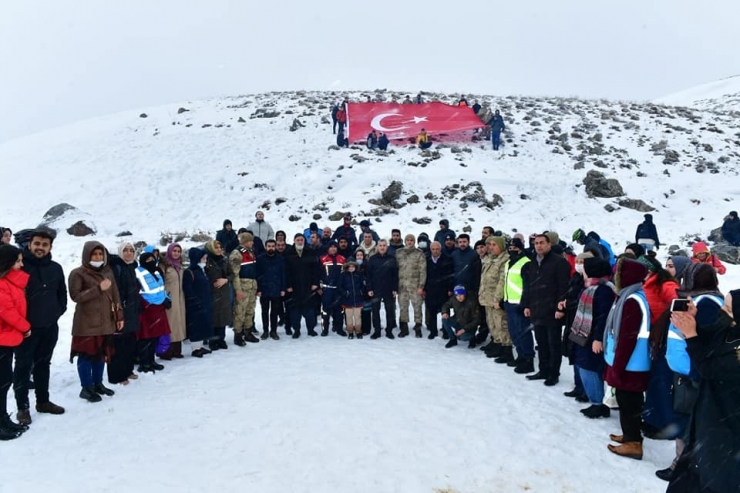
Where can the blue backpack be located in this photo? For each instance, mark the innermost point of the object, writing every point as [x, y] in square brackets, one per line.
[676, 355]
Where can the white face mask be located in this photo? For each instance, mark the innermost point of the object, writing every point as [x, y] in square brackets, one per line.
[202, 265]
[97, 263]
[422, 244]
[359, 261]
[299, 248]
[579, 268]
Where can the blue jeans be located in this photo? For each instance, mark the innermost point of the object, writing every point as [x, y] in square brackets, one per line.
[648, 247]
[451, 326]
[496, 139]
[91, 373]
[593, 385]
[518, 330]
[577, 380]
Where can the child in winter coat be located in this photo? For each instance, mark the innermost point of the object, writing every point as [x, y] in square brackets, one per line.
[702, 255]
[354, 290]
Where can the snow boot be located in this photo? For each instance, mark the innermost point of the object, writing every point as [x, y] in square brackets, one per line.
[573, 393]
[325, 332]
[514, 362]
[250, 337]
[101, 389]
[359, 335]
[8, 430]
[537, 376]
[177, 350]
[417, 331]
[376, 335]
[156, 366]
[665, 474]
[632, 450]
[487, 347]
[596, 411]
[451, 343]
[551, 381]
[265, 334]
[239, 339]
[222, 344]
[432, 334]
[88, 393]
[526, 365]
[341, 332]
[481, 336]
[404, 330]
[471, 343]
[351, 335]
[312, 333]
[445, 335]
[8, 424]
[274, 335]
[140, 369]
[24, 417]
[494, 351]
[389, 334]
[505, 355]
[288, 331]
[296, 334]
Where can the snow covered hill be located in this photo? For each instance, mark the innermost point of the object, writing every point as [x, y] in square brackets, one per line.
[328, 415]
[719, 96]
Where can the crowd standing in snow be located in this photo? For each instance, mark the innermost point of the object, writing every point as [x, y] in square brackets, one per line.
[675, 374]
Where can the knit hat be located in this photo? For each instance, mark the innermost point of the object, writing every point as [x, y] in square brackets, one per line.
[424, 237]
[460, 289]
[680, 263]
[597, 267]
[517, 243]
[332, 243]
[638, 250]
[449, 236]
[585, 255]
[365, 223]
[498, 240]
[313, 227]
[651, 267]
[409, 237]
[245, 238]
[8, 257]
[554, 237]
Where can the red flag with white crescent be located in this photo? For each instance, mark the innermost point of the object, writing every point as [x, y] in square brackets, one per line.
[400, 121]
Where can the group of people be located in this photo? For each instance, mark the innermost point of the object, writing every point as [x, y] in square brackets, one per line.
[675, 374]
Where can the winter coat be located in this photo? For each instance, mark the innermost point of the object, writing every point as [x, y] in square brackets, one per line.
[496, 123]
[412, 267]
[263, 230]
[731, 231]
[461, 263]
[302, 272]
[176, 312]
[128, 290]
[271, 275]
[369, 251]
[376, 238]
[228, 239]
[94, 311]
[394, 247]
[440, 282]
[346, 232]
[383, 142]
[217, 268]
[440, 234]
[701, 247]
[659, 296]
[647, 230]
[372, 140]
[467, 313]
[331, 270]
[13, 323]
[548, 284]
[382, 275]
[583, 356]
[492, 279]
[46, 292]
[198, 298]
[342, 115]
[354, 289]
[476, 269]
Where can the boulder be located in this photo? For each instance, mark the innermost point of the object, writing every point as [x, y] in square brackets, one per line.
[296, 125]
[293, 218]
[80, 229]
[124, 233]
[727, 253]
[392, 192]
[337, 216]
[422, 220]
[58, 211]
[414, 199]
[201, 237]
[716, 236]
[597, 185]
[181, 110]
[636, 204]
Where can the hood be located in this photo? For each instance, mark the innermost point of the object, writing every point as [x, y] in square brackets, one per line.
[228, 221]
[87, 252]
[680, 263]
[195, 254]
[699, 278]
[211, 247]
[700, 247]
[629, 272]
[593, 235]
[423, 237]
[445, 223]
[648, 218]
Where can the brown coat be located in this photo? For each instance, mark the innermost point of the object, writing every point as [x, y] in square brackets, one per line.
[176, 314]
[93, 313]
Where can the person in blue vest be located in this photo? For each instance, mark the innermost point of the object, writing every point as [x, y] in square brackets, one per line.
[627, 355]
[271, 285]
[153, 319]
[330, 291]
[497, 126]
[198, 302]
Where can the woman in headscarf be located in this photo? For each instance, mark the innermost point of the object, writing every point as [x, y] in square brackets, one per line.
[217, 270]
[676, 266]
[121, 365]
[14, 327]
[98, 315]
[172, 268]
[154, 302]
[198, 302]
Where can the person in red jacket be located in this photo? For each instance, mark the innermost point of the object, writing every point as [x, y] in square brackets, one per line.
[342, 117]
[13, 329]
[702, 255]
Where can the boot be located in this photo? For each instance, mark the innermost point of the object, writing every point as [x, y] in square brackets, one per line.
[389, 334]
[596, 411]
[265, 334]
[205, 350]
[288, 331]
[167, 355]
[359, 334]
[351, 335]
[24, 417]
[324, 332]
[213, 345]
[451, 343]
[481, 336]
[404, 330]
[494, 351]
[551, 381]
[8, 424]
[222, 344]
[537, 376]
[488, 347]
[250, 337]
[632, 450]
[471, 343]
[444, 335]
[140, 369]
[506, 355]
[665, 474]
[156, 366]
[376, 335]
[49, 407]
[616, 438]
[526, 365]
[340, 332]
[274, 335]
[573, 393]
[8, 429]
[417, 331]
[432, 334]
[312, 333]
[296, 333]
[103, 390]
[514, 362]
[197, 353]
[177, 350]
[88, 393]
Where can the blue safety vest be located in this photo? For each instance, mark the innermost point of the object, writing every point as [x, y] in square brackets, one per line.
[676, 354]
[640, 359]
[152, 287]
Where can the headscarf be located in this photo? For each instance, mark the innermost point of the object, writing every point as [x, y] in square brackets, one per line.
[176, 263]
[122, 247]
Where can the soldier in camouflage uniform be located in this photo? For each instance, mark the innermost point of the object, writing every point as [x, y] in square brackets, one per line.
[412, 275]
[244, 278]
[491, 295]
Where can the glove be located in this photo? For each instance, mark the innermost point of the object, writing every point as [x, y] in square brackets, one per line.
[167, 303]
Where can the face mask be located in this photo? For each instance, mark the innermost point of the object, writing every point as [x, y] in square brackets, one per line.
[97, 263]
[423, 244]
[299, 248]
[202, 265]
[579, 268]
[359, 261]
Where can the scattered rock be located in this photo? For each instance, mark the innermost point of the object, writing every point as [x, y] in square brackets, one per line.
[422, 220]
[597, 185]
[414, 199]
[392, 193]
[333, 147]
[609, 208]
[430, 196]
[358, 158]
[293, 218]
[716, 236]
[180, 111]
[296, 125]
[467, 228]
[241, 120]
[727, 253]
[670, 156]
[139, 245]
[316, 216]
[143, 115]
[524, 196]
[636, 204]
[280, 200]
[338, 215]
[80, 229]
[201, 237]
[57, 211]
[124, 233]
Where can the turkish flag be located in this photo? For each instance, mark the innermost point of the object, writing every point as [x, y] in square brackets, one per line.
[400, 121]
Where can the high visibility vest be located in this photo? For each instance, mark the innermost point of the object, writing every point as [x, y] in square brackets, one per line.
[676, 355]
[514, 282]
[152, 287]
[640, 359]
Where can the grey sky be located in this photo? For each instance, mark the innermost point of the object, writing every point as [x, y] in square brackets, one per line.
[66, 61]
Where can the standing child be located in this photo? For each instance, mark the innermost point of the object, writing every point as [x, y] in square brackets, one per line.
[354, 290]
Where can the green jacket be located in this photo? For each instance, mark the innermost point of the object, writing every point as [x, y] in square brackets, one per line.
[467, 313]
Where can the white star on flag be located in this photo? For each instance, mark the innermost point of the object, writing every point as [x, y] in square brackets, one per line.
[419, 119]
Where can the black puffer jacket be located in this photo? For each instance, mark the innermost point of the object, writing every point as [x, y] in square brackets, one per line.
[46, 292]
[548, 284]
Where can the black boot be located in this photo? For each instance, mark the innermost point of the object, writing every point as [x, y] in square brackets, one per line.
[140, 369]
[487, 347]
[597, 411]
[389, 334]
[404, 330]
[7, 430]
[376, 335]
[359, 335]
[274, 335]
[101, 389]
[296, 334]
[288, 331]
[265, 334]
[340, 332]
[432, 334]
[444, 335]
[88, 393]
[494, 351]
[537, 376]
[156, 366]
[325, 332]
[514, 362]
[471, 343]
[351, 335]
[417, 331]
[250, 337]
[312, 333]
[451, 343]
[239, 339]
[222, 344]
[505, 356]
[526, 365]
[9, 424]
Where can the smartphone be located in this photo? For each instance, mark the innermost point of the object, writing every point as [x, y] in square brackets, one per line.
[680, 305]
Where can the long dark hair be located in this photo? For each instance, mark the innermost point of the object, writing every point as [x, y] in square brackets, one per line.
[8, 258]
[663, 275]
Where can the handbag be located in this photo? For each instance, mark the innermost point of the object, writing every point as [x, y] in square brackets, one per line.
[685, 394]
[578, 339]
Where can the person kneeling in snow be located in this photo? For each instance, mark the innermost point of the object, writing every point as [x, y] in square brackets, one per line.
[422, 140]
[702, 255]
[466, 319]
[383, 142]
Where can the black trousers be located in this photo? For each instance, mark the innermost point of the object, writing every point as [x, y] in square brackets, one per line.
[283, 311]
[33, 356]
[389, 302]
[6, 376]
[122, 363]
[431, 317]
[631, 405]
[146, 348]
[270, 310]
[548, 349]
[366, 317]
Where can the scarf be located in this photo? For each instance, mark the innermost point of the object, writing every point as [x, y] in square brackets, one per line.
[171, 261]
[584, 318]
[614, 320]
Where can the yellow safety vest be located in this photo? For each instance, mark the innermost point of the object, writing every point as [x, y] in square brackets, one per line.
[515, 282]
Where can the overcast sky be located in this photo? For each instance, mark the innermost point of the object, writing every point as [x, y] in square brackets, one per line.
[65, 61]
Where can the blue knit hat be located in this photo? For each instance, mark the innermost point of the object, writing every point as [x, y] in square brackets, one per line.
[460, 289]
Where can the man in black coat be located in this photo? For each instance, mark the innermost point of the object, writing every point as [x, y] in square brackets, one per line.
[438, 288]
[346, 231]
[646, 234]
[270, 288]
[731, 229]
[382, 285]
[476, 267]
[46, 296]
[227, 237]
[444, 230]
[549, 275]
[302, 276]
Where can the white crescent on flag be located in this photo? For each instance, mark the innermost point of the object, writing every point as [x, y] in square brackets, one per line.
[377, 123]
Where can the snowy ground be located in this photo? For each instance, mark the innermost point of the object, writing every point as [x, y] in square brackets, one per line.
[334, 415]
